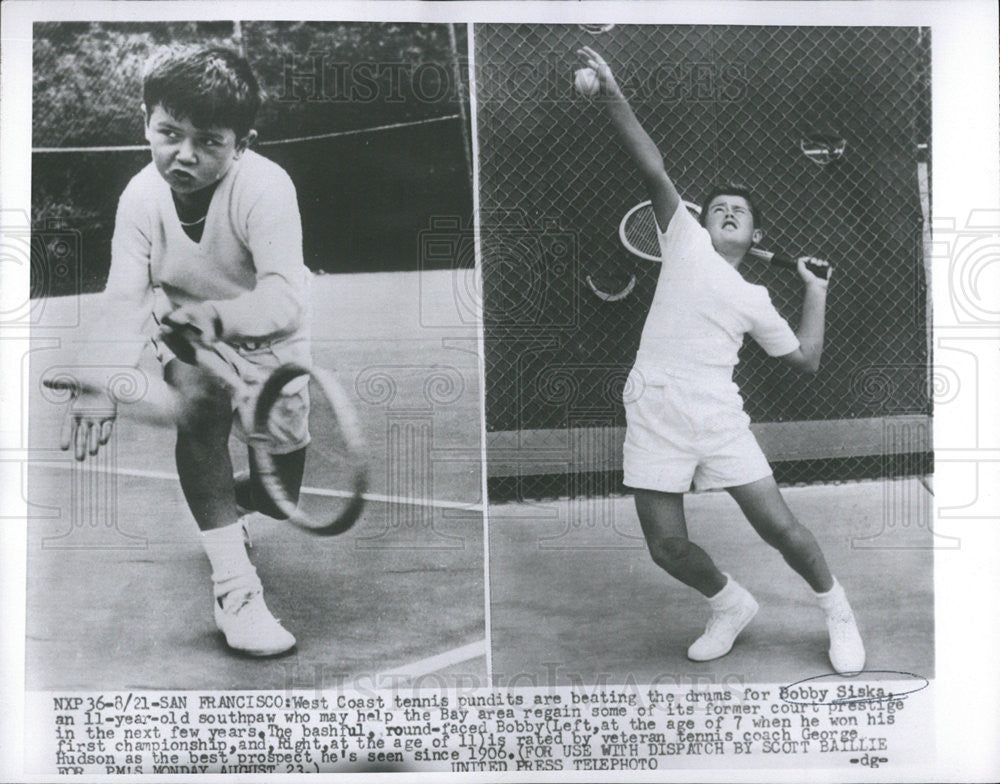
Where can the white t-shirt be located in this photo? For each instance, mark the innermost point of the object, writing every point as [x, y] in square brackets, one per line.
[701, 310]
[248, 263]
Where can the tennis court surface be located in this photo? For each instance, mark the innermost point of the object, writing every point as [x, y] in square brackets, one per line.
[119, 594]
[576, 598]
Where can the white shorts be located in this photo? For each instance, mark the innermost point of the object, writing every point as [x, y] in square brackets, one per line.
[681, 434]
[288, 426]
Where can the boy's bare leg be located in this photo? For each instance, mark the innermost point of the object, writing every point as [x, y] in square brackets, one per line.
[203, 462]
[765, 508]
[206, 473]
[665, 528]
[762, 503]
[662, 518]
[251, 495]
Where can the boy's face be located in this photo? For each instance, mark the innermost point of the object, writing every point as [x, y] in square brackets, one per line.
[729, 222]
[190, 158]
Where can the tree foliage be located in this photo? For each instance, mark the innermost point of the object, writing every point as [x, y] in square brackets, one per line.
[87, 89]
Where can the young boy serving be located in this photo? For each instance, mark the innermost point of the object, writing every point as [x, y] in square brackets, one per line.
[208, 243]
[688, 425]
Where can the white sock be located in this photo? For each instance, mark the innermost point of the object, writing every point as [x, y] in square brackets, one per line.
[228, 555]
[834, 602]
[728, 596]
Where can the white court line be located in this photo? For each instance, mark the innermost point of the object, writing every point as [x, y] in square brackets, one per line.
[434, 663]
[317, 491]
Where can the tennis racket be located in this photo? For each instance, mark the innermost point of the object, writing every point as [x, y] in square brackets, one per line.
[336, 457]
[639, 234]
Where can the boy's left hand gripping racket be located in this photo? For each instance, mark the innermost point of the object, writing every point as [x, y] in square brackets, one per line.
[336, 447]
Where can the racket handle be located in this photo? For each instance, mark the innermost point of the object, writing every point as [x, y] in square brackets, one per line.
[787, 262]
[220, 358]
[181, 339]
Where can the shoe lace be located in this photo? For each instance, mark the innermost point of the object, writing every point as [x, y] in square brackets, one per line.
[236, 604]
[842, 627]
[714, 623]
[251, 606]
[720, 619]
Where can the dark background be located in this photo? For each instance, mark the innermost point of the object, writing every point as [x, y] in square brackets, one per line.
[724, 104]
[364, 196]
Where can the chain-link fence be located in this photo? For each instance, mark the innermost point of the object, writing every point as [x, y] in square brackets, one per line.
[369, 120]
[724, 104]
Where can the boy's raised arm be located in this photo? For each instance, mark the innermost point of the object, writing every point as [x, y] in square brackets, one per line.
[640, 147]
[812, 328]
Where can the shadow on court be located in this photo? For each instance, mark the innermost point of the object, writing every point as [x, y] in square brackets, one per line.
[576, 598]
[118, 588]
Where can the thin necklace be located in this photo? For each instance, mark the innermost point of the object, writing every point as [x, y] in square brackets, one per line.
[193, 223]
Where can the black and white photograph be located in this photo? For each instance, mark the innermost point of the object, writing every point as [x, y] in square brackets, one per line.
[261, 465]
[479, 391]
[617, 374]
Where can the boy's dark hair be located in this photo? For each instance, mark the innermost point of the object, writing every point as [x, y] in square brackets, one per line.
[210, 87]
[733, 189]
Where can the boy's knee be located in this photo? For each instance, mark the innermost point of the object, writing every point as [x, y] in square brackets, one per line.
[789, 536]
[669, 552]
[204, 401]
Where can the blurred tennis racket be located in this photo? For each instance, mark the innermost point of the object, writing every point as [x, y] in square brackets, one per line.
[638, 233]
[336, 454]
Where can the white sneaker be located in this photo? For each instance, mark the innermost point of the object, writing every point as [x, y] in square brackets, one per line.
[847, 651]
[732, 609]
[243, 617]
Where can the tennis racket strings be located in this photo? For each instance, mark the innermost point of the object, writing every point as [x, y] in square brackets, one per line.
[336, 471]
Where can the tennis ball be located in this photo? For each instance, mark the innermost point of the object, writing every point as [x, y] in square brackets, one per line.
[586, 82]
